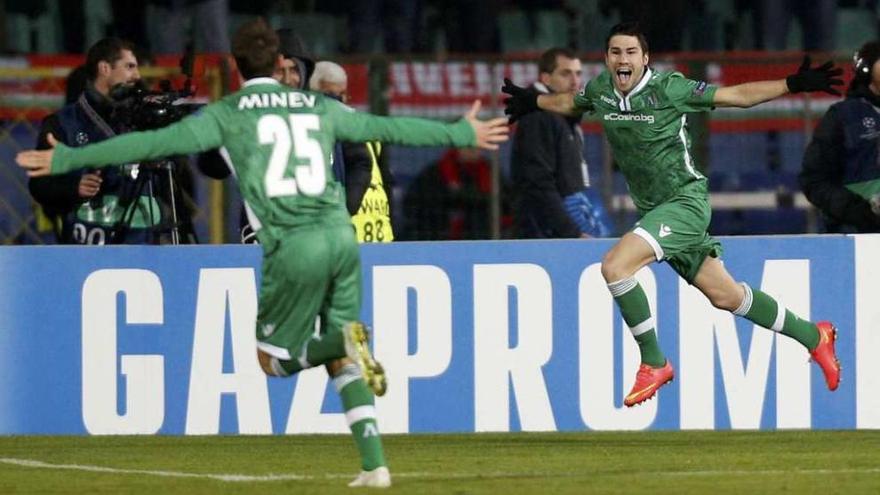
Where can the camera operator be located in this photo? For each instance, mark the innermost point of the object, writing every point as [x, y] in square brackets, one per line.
[87, 202]
[841, 167]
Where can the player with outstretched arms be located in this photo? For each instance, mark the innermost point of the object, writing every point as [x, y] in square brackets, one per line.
[279, 141]
[644, 116]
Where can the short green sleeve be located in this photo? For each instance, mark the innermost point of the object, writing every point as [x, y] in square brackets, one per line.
[688, 95]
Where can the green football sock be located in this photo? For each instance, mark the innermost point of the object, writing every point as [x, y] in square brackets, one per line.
[357, 401]
[636, 312]
[765, 311]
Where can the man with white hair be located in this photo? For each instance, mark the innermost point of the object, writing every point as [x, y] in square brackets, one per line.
[361, 167]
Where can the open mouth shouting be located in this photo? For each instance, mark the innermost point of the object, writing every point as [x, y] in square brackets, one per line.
[624, 76]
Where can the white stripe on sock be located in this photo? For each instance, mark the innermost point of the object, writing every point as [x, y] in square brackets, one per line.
[621, 287]
[360, 413]
[642, 327]
[349, 373]
[780, 318]
[746, 303]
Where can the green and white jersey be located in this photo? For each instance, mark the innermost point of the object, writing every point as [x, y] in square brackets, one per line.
[279, 142]
[647, 130]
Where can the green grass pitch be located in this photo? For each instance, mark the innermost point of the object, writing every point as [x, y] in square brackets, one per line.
[795, 462]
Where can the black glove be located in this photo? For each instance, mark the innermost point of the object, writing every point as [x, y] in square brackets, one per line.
[822, 78]
[521, 101]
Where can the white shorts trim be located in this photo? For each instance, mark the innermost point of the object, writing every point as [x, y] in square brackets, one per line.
[644, 234]
[273, 350]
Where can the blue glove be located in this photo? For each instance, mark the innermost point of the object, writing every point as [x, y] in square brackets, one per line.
[588, 213]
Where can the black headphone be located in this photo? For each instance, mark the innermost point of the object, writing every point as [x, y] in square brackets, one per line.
[861, 69]
[864, 59]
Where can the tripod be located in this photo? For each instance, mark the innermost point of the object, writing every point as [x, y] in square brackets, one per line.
[157, 181]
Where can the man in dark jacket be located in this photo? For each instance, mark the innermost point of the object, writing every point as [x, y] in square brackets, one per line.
[841, 168]
[88, 202]
[550, 178]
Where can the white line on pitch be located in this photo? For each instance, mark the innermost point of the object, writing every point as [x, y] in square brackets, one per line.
[247, 478]
[169, 474]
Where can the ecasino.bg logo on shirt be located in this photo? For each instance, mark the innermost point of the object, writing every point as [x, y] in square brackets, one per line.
[636, 117]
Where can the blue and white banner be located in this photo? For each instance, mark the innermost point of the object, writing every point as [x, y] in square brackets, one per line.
[475, 336]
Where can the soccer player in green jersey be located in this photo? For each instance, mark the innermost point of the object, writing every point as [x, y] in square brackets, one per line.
[279, 141]
[644, 116]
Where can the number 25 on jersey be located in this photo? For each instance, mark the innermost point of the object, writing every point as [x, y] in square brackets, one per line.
[309, 178]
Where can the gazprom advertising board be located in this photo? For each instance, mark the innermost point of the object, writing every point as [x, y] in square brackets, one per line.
[475, 336]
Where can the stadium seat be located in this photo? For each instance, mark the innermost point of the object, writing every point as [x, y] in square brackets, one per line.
[513, 31]
[775, 221]
[795, 39]
[551, 28]
[322, 33]
[855, 26]
[704, 32]
[40, 34]
[596, 27]
[98, 15]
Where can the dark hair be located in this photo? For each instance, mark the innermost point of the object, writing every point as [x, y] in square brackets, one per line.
[865, 58]
[628, 28]
[255, 48]
[547, 62]
[75, 84]
[106, 50]
[863, 62]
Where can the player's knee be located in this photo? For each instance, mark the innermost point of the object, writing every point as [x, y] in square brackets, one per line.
[264, 360]
[724, 299]
[612, 268]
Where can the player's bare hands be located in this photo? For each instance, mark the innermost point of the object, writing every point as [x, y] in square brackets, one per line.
[38, 163]
[489, 132]
[89, 185]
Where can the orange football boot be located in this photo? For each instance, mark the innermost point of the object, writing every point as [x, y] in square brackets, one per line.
[825, 356]
[648, 381]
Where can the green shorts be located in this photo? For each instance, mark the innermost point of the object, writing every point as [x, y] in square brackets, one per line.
[677, 230]
[311, 272]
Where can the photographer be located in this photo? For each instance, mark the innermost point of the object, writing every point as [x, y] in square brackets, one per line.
[841, 168]
[87, 202]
